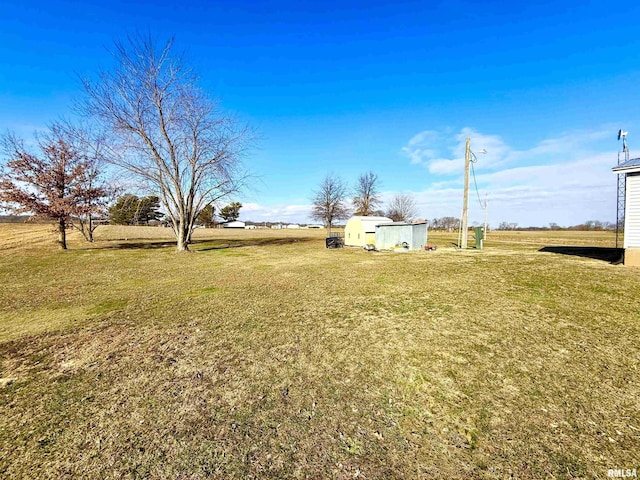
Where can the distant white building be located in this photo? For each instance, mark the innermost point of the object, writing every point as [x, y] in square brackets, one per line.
[250, 227]
[293, 226]
[236, 224]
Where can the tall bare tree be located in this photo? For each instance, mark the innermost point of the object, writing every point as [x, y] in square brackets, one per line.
[329, 201]
[402, 208]
[366, 194]
[55, 184]
[167, 131]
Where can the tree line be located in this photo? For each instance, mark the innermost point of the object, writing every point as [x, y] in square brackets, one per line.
[589, 225]
[149, 121]
[130, 209]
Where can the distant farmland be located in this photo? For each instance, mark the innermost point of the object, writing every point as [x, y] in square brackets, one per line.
[265, 355]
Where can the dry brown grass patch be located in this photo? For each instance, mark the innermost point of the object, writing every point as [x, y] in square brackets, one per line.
[264, 355]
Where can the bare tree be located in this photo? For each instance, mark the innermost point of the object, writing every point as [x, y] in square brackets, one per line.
[329, 201]
[54, 185]
[366, 194]
[402, 208]
[167, 132]
[507, 226]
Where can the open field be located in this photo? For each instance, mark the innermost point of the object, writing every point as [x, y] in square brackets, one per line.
[264, 355]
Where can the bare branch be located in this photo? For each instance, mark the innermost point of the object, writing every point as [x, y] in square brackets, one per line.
[402, 208]
[366, 194]
[329, 201]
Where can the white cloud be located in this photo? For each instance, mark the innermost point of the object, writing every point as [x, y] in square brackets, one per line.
[418, 147]
[444, 154]
[566, 179]
[275, 213]
[445, 166]
[497, 150]
[423, 137]
[570, 141]
[251, 207]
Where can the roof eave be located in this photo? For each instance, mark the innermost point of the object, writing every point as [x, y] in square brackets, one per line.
[633, 169]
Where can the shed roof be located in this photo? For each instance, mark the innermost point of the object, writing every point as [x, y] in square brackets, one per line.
[371, 218]
[629, 166]
[402, 223]
[369, 223]
[235, 223]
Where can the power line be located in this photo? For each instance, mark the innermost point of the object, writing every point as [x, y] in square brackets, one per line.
[476, 184]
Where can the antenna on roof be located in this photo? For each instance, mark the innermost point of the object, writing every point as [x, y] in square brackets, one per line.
[623, 135]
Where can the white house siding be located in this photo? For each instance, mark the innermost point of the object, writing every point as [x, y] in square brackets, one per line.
[632, 212]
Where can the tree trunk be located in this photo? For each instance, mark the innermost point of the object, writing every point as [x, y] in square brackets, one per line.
[62, 234]
[90, 233]
[183, 242]
[182, 235]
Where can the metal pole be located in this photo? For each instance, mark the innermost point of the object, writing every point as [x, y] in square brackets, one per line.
[486, 215]
[465, 202]
[622, 187]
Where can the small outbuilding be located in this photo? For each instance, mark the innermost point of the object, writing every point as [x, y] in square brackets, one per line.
[412, 236]
[631, 170]
[361, 230]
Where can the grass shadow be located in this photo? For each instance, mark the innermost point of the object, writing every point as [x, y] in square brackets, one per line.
[127, 245]
[200, 245]
[606, 254]
[255, 243]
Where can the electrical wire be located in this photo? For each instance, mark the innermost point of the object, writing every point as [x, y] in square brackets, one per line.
[476, 184]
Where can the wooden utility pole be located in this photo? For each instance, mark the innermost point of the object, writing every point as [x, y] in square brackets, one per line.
[465, 202]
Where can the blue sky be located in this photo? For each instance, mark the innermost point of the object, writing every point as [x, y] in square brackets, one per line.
[391, 87]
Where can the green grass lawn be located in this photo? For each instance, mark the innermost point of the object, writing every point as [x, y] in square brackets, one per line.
[265, 355]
